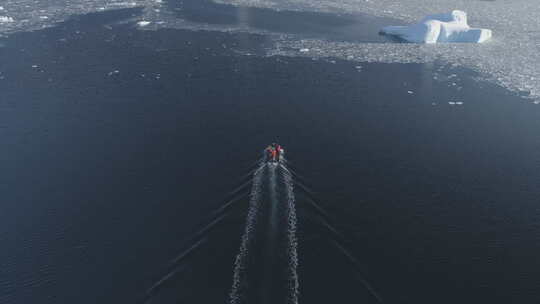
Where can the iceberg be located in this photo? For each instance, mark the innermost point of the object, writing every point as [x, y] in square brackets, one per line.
[440, 28]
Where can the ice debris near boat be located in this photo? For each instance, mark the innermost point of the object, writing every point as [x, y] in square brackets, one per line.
[6, 19]
[440, 28]
[143, 23]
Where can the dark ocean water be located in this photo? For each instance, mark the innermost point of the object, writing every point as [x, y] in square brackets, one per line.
[118, 143]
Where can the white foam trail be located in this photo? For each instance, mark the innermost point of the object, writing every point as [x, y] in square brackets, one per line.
[272, 238]
[292, 249]
[240, 263]
[239, 289]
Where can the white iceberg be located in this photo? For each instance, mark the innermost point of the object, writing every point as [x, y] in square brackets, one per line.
[439, 28]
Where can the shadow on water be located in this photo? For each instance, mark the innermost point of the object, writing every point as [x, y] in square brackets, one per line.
[337, 27]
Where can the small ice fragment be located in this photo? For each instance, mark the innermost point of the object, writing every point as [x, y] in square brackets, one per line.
[35, 66]
[123, 4]
[1, 8]
[6, 19]
[451, 103]
[304, 50]
[459, 102]
[43, 17]
[114, 72]
[143, 23]
[410, 92]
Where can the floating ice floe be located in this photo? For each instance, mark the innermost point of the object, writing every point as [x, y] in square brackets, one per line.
[143, 23]
[451, 27]
[5, 19]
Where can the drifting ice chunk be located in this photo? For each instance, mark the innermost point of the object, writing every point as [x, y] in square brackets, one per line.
[450, 27]
[5, 19]
[143, 23]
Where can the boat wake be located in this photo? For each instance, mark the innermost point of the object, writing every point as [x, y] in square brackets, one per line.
[266, 263]
[265, 267]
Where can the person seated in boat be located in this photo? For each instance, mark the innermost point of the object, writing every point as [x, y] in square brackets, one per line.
[270, 153]
[274, 155]
[279, 152]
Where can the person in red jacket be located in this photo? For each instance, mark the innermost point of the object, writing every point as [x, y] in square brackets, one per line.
[274, 154]
[278, 152]
[268, 153]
